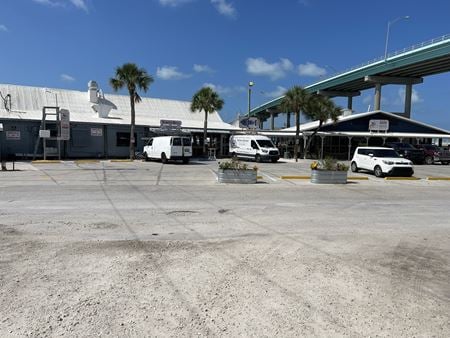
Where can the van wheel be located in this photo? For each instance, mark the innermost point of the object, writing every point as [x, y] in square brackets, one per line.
[257, 158]
[354, 167]
[146, 157]
[444, 162]
[185, 160]
[377, 171]
[163, 158]
[274, 160]
[428, 160]
[233, 156]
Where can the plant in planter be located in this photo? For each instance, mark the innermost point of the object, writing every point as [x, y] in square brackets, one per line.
[233, 171]
[329, 171]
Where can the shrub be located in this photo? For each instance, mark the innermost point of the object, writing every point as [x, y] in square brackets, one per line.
[329, 164]
[234, 164]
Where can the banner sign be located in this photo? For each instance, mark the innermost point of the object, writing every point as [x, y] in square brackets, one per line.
[13, 135]
[379, 125]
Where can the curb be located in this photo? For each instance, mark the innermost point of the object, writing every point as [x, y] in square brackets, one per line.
[402, 178]
[87, 161]
[295, 177]
[357, 178]
[45, 161]
[438, 178]
[120, 160]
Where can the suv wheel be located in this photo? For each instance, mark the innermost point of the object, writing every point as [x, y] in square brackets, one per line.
[258, 158]
[428, 160]
[377, 171]
[354, 167]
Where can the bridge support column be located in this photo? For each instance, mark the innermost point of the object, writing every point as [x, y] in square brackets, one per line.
[408, 97]
[272, 121]
[377, 98]
[350, 103]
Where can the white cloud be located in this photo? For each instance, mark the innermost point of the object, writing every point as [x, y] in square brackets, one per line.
[415, 98]
[279, 91]
[170, 73]
[224, 8]
[80, 4]
[203, 69]
[311, 69]
[276, 70]
[173, 3]
[66, 78]
[3, 28]
[227, 91]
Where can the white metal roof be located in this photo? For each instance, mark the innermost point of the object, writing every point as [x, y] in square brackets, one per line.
[27, 103]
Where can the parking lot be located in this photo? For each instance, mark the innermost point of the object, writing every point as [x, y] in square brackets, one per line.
[138, 248]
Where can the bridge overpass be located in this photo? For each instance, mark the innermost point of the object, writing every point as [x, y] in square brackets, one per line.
[406, 67]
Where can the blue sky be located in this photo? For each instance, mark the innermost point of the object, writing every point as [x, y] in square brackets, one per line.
[186, 44]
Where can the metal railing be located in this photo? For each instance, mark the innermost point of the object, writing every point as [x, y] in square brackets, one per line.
[390, 55]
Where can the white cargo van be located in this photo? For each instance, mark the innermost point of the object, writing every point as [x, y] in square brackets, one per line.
[257, 147]
[167, 148]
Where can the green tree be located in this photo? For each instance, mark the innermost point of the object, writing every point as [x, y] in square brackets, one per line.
[295, 100]
[320, 108]
[132, 77]
[209, 101]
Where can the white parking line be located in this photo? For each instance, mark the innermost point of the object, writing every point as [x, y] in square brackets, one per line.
[269, 177]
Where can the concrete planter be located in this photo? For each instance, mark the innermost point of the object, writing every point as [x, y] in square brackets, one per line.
[241, 176]
[328, 177]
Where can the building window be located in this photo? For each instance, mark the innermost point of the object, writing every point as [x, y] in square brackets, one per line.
[123, 139]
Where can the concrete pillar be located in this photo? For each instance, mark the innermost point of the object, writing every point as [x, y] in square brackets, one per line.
[261, 123]
[322, 137]
[408, 96]
[272, 121]
[288, 120]
[349, 147]
[377, 98]
[350, 103]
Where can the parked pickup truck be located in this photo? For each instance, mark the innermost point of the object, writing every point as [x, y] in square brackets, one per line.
[408, 151]
[434, 154]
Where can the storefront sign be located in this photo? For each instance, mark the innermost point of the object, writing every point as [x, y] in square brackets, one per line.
[248, 122]
[97, 132]
[13, 135]
[170, 124]
[44, 133]
[379, 125]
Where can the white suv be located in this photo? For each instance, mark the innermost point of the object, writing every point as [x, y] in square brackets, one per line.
[382, 161]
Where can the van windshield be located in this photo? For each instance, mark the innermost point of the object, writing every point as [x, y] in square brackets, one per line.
[265, 144]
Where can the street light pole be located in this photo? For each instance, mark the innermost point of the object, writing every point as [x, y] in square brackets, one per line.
[388, 30]
[250, 85]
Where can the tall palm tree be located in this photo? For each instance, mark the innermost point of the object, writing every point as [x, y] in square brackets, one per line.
[295, 100]
[132, 77]
[209, 101]
[320, 108]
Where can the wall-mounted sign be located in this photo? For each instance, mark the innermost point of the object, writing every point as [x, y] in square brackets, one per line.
[379, 125]
[96, 132]
[64, 121]
[12, 135]
[248, 122]
[170, 124]
[44, 133]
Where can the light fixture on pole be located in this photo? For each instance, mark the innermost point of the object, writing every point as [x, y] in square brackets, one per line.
[250, 85]
[388, 30]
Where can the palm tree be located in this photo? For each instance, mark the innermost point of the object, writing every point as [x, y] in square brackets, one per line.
[320, 108]
[295, 100]
[208, 100]
[132, 77]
